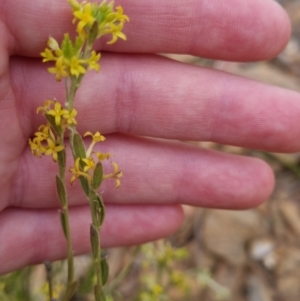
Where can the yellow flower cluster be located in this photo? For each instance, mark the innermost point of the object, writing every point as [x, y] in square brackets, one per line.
[98, 20]
[45, 143]
[86, 166]
[61, 116]
[94, 21]
[154, 292]
[67, 58]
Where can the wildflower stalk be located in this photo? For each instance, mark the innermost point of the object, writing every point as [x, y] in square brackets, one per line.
[71, 61]
[64, 214]
[95, 238]
[95, 227]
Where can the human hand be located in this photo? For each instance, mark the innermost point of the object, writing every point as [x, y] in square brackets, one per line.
[139, 94]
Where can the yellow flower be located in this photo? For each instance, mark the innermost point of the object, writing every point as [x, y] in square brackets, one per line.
[102, 156]
[116, 33]
[93, 61]
[74, 4]
[70, 117]
[97, 137]
[157, 289]
[85, 17]
[120, 16]
[53, 149]
[116, 174]
[57, 112]
[117, 16]
[36, 147]
[44, 133]
[77, 172]
[90, 164]
[59, 69]
[113, 24]
[75, 67]
[48, 56]
[45, 108]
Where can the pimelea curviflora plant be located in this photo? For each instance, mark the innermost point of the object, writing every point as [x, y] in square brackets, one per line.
[71, 59]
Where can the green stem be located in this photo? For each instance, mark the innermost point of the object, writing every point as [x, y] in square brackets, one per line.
[67, 90]
[75, 82]
[92, 197]
[65, 210]
[48, 267]
[70, 250]
[71, 92]
[97, 261]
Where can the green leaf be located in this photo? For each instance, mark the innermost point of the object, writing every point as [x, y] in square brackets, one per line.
[63, 221]
[67, 47]
[99, 209]
[104, 270]
[95, 243]
[78, 44]
[61, 158]
[85, 185]
[51, 120]
[61, 190]
[79, 147]
[79, 150]
[98, 176]
[93, 33]
[99, 294]
[103, 10]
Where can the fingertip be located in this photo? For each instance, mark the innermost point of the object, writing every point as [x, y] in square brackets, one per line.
[237, 182]
[252, 30]
[278, 30]
[260, 185]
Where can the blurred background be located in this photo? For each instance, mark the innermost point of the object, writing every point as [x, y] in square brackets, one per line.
[251, 255]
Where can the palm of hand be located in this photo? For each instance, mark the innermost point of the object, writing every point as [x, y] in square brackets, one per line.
[141, 95]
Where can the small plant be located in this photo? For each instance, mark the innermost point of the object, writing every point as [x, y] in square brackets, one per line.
[15, 286]
[159, 276]
[71, 60]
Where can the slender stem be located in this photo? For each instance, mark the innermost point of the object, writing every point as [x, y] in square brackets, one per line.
[67, 91]
[72, 131]
[92, 197]
[97, 261]
[48, 267]
[72, 92]
[70, 250]
[75, 83]
[65, 209]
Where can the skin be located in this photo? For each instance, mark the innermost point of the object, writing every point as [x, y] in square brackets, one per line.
[140, 94]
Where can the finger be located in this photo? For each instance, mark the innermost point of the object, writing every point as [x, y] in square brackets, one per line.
[231, 29]
[33, 236]
[155, 172]
[152, 96]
